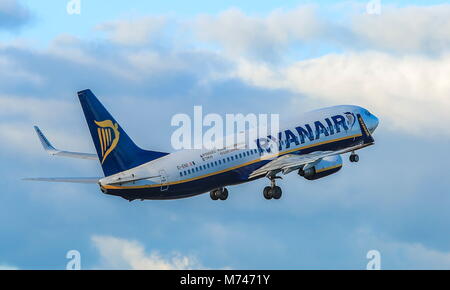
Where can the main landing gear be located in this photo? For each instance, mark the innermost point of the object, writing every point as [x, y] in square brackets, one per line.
[354, 157]
[272, 191]
[221, 193]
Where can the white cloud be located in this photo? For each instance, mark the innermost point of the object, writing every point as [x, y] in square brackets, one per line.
[404, 89]
[70, 48]
[31, 108]
[411, 29]
[410, 93]
[125, 254]
[21, 137]
[16, 137]
[240, 33]
[408, 29]
[133, 32]
[20, 114]
[13, 71]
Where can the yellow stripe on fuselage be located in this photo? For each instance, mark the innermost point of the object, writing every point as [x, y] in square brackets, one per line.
[230, 168]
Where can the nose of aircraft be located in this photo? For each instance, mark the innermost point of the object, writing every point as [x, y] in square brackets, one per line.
[373, 123]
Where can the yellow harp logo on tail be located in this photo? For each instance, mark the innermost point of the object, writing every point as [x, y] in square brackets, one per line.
[108, 135]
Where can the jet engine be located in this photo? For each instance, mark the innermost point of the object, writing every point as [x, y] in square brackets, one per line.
[325, 167]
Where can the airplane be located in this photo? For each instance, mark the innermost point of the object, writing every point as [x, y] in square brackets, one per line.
[312, 148]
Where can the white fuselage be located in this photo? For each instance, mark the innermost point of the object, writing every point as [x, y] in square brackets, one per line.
[313, 130]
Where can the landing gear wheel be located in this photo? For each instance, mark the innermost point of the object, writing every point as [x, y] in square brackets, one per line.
[213, 195]
[224, 194]
[267, 192]
[354, 158]
[276, 192]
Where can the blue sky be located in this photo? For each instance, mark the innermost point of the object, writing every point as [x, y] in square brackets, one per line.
[148, 61]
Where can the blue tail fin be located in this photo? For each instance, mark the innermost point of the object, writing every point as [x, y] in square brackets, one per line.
[116, 151]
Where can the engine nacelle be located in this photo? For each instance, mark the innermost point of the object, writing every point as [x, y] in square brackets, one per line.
[327, 166]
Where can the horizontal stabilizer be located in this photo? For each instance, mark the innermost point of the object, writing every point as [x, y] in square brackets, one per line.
[92, 180]
[48, 147]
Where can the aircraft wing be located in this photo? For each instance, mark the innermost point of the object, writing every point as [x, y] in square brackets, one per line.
[67, 179]
[55, 152]
[290, 162]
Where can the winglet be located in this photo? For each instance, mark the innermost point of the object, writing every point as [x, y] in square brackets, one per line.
[367, 137]
[44, 141]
